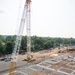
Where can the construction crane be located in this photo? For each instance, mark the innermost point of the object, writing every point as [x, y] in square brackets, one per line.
[25, 18]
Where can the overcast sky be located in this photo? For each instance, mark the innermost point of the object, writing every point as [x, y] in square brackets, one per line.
[54, 18]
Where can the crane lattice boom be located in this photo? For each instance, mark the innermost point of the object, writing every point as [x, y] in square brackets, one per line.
[25, 18]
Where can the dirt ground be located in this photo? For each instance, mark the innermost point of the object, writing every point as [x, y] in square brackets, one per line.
[40, 56]
[63, 66]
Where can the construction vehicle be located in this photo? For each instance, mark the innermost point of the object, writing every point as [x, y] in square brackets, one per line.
[25, 18]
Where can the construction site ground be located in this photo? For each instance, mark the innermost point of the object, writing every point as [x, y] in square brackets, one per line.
[63, 64]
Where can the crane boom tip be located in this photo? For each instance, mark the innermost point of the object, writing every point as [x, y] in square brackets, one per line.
[28, 1]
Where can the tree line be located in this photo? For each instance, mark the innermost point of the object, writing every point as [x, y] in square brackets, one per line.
[37, 43]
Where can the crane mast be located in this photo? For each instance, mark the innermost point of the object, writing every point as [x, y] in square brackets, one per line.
[25, 18]
[28, 29]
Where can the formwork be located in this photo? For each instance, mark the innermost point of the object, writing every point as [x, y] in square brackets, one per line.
[56, 66]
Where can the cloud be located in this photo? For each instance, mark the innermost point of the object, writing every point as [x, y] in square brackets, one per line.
[1, 11]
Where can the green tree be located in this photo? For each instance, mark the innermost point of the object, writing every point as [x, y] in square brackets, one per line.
[1, 48]
[9, 47]
[66, 41]
[24, 43]
[38, 43]
[48, 44]
[72, 41]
